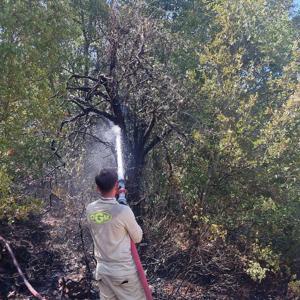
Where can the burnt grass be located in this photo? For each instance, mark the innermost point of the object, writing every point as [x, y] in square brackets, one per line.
[41, 264]
[49, 252]
[54, 250]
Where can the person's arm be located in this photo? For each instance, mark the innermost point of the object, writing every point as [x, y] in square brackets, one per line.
[134, 230]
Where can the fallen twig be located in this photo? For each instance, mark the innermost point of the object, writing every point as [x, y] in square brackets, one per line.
[27, 283]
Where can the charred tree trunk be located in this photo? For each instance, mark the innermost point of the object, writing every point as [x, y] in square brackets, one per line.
[135, 181]
[134, 187]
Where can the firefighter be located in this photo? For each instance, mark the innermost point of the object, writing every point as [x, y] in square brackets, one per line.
[112, 225]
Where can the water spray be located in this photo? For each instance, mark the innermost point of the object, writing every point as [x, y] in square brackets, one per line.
[122, 191]
[122, 200]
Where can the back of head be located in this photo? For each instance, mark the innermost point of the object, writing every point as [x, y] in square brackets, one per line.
[106, 180]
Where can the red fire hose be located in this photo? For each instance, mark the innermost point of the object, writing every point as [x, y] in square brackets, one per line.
[140, 270]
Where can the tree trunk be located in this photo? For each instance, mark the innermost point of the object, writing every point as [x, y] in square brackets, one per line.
[134, 183]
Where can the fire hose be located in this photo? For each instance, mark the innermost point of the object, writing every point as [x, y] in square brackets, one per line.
[134, 252]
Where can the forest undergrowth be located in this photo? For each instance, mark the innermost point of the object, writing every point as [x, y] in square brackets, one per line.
[182, 261]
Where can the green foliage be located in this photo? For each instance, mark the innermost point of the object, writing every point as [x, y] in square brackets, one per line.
[34, 41]
[191, 23]
[265, 261]
[242, 166]
[5, 183]
[10, 206]
[294, 288]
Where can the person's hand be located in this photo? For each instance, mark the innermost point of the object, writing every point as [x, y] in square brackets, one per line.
[122, 190]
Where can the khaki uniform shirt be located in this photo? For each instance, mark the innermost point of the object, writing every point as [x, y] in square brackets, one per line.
[112, 225]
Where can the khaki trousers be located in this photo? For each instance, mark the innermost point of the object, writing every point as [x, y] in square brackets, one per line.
[121, 288]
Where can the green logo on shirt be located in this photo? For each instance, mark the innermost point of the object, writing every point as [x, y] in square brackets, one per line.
[100, 217]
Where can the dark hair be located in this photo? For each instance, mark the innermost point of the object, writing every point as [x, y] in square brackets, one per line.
[106, 180]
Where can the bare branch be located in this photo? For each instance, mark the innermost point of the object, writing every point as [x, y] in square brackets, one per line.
[149, 129]
[76, 76]
[88, 108]
[156, 141]
[91, 135]
[63, 123]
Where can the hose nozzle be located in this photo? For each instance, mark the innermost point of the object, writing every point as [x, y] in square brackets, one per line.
[122, 192]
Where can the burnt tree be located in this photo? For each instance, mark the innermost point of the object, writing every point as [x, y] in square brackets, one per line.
[130, 83]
